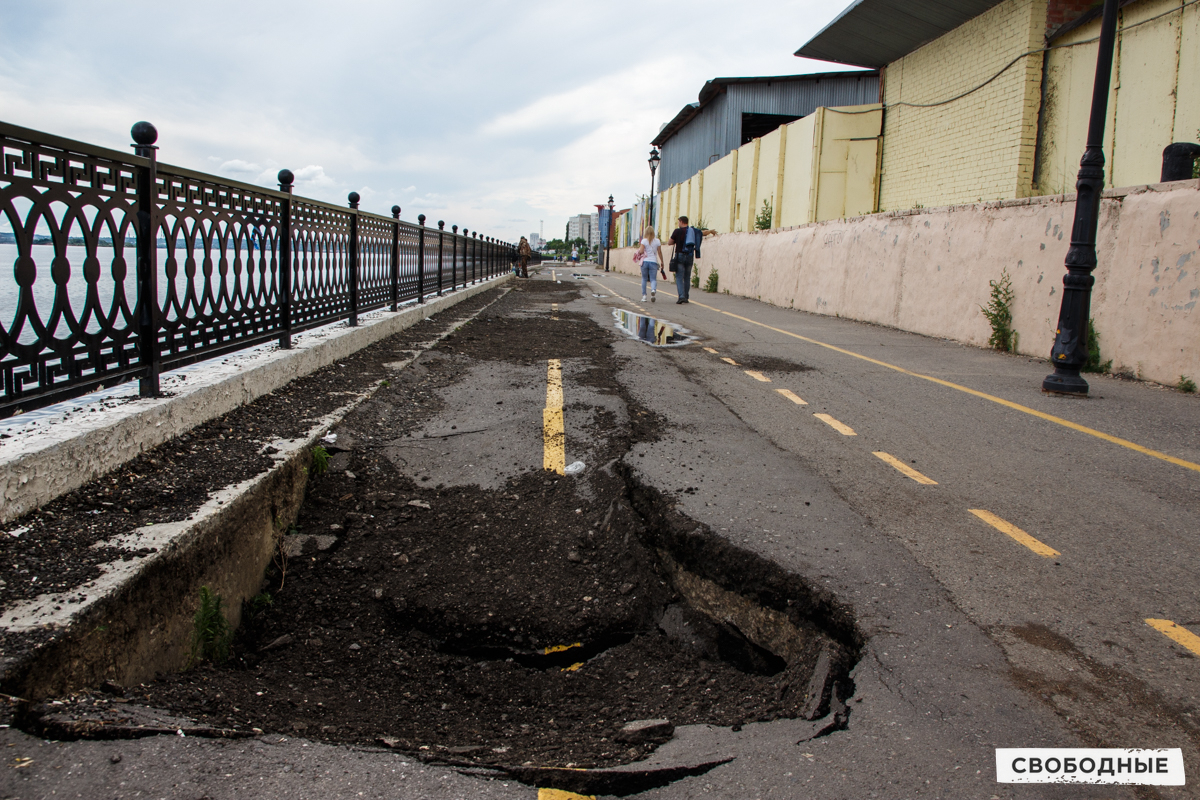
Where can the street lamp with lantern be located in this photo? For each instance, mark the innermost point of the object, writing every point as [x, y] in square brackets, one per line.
[654, 161]
[608, 233]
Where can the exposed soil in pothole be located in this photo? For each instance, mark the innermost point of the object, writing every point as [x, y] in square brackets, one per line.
[770, 363]
[521, 625]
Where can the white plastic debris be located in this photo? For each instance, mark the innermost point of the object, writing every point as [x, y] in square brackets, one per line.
[329, 438]
[575, 468]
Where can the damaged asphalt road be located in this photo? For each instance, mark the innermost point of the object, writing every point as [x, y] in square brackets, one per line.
[698, 572]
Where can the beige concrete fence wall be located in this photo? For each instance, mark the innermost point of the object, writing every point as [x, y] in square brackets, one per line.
[1154, 100]
[820, 167]
[928, 271]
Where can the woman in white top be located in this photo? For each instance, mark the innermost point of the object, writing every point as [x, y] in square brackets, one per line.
[651, 252]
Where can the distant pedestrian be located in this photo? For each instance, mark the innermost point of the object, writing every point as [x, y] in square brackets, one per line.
[524, 251]
[687, 248]
[650, 250]
[575, 255]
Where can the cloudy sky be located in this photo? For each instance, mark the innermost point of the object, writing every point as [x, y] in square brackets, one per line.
[490, 115]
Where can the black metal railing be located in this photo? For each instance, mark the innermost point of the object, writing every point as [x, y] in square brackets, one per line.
[124, 267]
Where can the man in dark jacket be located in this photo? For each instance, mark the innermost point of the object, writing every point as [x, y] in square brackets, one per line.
[681, 260]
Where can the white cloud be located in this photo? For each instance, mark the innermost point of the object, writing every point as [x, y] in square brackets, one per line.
[497, 136]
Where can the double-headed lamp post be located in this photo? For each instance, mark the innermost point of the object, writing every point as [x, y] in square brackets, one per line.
[654, 159]
[1070, 351]
[608, 233]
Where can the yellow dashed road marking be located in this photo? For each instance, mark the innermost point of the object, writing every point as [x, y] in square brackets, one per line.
[554, 456]
[710, 350]
[843, 429]
[561, 648]
[758, 376]
[905, 468]
[559, 794]
[788, 394]
[1021, 536]
[554, 311]
[1179, 462]
[1176, 633]
[728, 360]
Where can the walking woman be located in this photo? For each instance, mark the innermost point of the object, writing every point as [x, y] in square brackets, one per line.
[651, 253]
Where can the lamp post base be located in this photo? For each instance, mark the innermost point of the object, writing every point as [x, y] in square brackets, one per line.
[1063, 382]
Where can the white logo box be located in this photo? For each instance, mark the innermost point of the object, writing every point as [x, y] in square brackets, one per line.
[1162, 767]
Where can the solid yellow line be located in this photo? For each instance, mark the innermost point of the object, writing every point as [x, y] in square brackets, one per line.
[1021, 536]
[554, 393]
[559, 794]
[554, 454]
[758, 376]
[728, 360]
[888, 458]
[790, 396]
[1179, 462]
[1176, 633]
[841, 428]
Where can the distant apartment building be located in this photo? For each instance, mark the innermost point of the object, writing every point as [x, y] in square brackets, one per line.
[586, 227]
[535, 241]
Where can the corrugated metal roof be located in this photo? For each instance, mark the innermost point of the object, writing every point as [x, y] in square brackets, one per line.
[708, 130]
[718, 86]
[874, 33]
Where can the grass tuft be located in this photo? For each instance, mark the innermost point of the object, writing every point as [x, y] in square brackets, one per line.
[211, 632]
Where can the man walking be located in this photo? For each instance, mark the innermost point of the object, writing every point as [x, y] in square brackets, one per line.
[687, 248]
[523, 254]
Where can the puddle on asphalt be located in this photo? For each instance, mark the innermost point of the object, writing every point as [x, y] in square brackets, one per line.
[655, 332]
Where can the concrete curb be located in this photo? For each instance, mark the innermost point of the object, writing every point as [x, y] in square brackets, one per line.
[31, 478]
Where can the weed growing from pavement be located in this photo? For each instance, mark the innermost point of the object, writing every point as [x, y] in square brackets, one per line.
[1186, 385]
[763, 221]
[1093, 363]
[695, 279]
[710, 285]
[260, 603]
[320, 460]
[999, 314]
[211, 632]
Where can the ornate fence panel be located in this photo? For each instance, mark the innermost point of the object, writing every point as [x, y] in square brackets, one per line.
[222, 265]
[320, 263]
[218, 283]
[374, 261]
[68, 316]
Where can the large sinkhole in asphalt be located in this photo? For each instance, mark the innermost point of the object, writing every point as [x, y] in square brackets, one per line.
[525, 625]
[521, 624]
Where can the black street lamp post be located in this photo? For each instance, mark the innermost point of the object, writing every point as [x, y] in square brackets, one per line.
[654, 159]
[608, 234]
[1070, 351]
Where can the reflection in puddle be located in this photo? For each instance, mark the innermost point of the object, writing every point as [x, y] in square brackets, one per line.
[657, 332]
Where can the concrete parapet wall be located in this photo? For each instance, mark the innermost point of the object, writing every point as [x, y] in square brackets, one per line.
[928, 271]
[34, 473]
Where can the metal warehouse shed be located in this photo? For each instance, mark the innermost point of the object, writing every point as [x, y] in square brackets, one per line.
[734, 111]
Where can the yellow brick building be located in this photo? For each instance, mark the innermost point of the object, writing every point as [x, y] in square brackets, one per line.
[989, 100]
